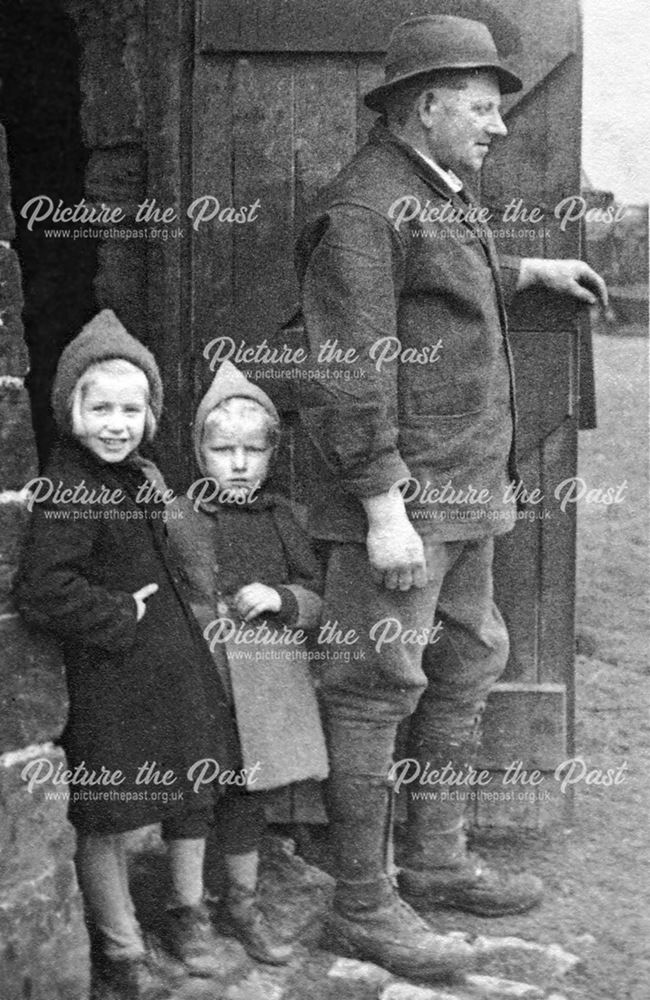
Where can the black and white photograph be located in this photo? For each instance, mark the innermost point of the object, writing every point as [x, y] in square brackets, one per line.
[324, 510]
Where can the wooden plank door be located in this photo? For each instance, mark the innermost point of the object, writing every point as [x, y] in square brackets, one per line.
[261, 105]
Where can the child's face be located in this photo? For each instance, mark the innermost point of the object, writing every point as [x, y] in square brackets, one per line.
[236, 452]
[113, 412]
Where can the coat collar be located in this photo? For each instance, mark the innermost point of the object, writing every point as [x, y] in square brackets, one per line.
[264, 500]
[462, 201]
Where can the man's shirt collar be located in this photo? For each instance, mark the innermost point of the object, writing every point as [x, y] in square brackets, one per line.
[448, 176]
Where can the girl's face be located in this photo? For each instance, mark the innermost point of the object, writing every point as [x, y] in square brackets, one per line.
[113, 411]
[236, 452]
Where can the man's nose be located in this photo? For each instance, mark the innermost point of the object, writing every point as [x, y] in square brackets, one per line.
[496, 125]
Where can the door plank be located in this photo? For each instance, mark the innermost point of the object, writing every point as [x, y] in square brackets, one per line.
[558, 558]
[167, 261]
[516, 580]
[325, 124]
[262, 137]
[212, 242]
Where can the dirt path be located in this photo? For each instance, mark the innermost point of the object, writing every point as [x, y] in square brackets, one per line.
[597, 871]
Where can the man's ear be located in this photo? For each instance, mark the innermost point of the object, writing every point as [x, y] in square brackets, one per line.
[425, 105]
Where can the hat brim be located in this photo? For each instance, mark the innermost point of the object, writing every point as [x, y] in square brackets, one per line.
[509, 82]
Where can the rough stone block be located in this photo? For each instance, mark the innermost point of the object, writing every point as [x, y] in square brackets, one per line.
[14, 520]
[525, 960]
[7, 226]
[14, 356]
[407, 991]
[259, 985]
[493, 988]
[17, 451]
[44, 951]
[35, 836]
[33, 698]
[13, 349]
[359, 972]
[11, 293]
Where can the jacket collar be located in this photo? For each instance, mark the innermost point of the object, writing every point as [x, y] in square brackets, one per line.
[462, 201]
[264, 500]
[380, 135]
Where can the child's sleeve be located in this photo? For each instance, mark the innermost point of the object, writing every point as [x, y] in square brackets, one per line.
[301, 595]
[52, 590]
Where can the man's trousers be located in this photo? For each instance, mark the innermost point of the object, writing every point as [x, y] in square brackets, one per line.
[426, 658]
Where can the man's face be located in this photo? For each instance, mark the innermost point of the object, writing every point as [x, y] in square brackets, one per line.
[460, 124]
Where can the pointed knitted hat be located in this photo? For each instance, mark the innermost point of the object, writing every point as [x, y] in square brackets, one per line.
[102, 339]
[228, 382]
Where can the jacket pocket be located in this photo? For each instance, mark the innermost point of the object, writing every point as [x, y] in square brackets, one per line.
[451, 400]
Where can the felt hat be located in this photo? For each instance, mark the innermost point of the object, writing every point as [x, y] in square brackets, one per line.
[438, 42]
[102, 339]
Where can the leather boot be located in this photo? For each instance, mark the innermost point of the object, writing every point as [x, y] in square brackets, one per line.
[127, 979]
[247, 921]
[438, 871]
[189, 937]
[369, 920]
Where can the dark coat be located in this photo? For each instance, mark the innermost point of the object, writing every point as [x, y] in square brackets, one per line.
[222, 548]
[365, 277]
[139, 691]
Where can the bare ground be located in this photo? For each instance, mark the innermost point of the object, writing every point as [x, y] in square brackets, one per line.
[597, 870]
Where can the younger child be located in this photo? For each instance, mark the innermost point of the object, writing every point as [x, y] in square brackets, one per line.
[143, 693]
[251, 565]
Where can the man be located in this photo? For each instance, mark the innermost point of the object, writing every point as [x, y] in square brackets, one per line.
[398, 270]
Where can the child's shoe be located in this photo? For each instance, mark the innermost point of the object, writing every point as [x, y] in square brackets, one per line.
[247, 922]
[127, 979]
[190, 938]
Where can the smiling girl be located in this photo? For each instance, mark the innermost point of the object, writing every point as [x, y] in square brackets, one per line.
[144, 695]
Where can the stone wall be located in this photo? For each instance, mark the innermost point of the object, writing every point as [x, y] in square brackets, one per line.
[43, 941]
[41, 924]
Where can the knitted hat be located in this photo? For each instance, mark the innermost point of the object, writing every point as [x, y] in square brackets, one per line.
[228, 382]
[102, 339]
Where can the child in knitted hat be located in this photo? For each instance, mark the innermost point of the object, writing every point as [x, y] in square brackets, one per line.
[145, 703]
[251, 567]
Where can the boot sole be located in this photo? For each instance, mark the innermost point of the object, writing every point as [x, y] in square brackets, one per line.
[430, 899]
[333, 939]
[223, 924]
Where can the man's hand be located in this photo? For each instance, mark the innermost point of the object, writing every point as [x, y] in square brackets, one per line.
[140, 598]
[394, 547]
[567, 277]
[256, 598]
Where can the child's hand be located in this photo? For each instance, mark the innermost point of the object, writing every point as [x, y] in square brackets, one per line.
[256, 598]
[141, 596]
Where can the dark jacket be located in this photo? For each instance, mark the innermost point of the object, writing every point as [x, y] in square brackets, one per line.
[434, 415]
[139, 692]
[223, 547]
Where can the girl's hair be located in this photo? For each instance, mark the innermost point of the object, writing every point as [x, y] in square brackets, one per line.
[244, 405]
[115, 367]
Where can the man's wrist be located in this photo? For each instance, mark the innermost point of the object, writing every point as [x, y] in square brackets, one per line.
[529, 272]
[384, 509]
